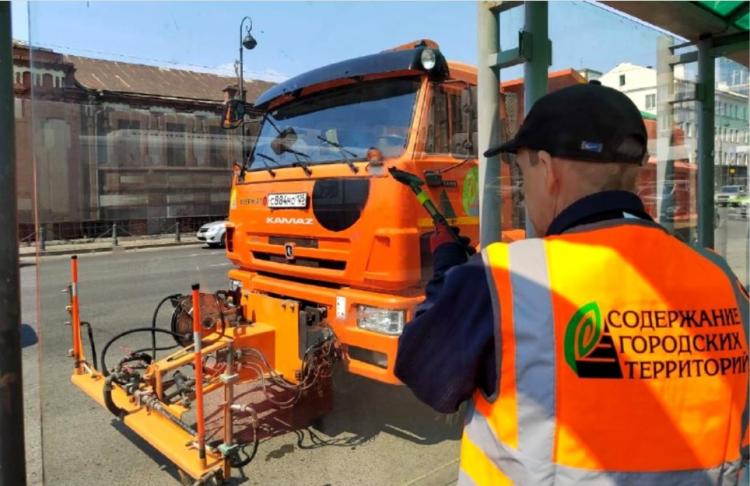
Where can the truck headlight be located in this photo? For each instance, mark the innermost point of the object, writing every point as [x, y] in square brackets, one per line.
[428, 59]
[384, 321]
[234, 285]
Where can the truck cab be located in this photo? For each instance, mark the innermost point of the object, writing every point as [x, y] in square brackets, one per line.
[314, 215]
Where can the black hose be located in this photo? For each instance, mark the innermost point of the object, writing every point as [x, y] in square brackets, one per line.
[153, 322]
[91, 343]
[105, 370]
[236, 463]
[108, 402]
[158, 348]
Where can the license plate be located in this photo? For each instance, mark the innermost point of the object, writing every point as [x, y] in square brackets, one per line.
[291, 200]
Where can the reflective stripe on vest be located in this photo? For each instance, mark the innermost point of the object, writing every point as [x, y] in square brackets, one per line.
[548, 440]
[521, 471]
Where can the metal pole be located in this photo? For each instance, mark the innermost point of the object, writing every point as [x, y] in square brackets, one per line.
[198, 362]
[12, 448]
[242, 98]
[664, 126]
[242, 92]
[535, 75]
[706, 130]
[536, 27]
[75, 314]
[488, 123]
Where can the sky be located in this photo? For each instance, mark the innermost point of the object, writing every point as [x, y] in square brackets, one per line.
[294, 37]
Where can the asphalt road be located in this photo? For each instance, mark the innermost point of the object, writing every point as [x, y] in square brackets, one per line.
[376, 434]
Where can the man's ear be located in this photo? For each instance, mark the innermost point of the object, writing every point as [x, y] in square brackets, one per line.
[550, 171]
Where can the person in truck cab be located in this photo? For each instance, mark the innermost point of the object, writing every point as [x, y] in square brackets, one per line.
[603, 351]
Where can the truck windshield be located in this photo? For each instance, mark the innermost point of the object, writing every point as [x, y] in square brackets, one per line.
[356, 118]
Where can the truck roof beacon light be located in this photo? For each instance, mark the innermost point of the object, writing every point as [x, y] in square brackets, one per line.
[428, 59]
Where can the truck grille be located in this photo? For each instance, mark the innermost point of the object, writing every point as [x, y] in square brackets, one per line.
[302, 262]
[301, 242]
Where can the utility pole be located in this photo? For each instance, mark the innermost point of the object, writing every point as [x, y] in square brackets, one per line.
[12, 448]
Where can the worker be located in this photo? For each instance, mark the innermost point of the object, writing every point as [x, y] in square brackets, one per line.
[605, 350]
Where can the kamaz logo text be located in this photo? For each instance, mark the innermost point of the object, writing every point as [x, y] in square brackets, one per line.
[278, 220]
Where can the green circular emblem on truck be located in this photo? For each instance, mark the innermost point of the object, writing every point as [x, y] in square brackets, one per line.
[470, 196]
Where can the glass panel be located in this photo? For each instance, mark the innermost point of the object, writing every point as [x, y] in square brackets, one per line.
[732, 194]
[124, 160]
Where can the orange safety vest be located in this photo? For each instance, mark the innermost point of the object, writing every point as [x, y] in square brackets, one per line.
[623, 359]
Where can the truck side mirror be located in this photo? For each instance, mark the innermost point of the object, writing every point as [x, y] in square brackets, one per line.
[234, 114]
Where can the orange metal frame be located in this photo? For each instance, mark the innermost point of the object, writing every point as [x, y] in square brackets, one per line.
[273, 332]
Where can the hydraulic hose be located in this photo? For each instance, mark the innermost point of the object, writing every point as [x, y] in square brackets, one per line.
[105, 370]
[91, 343]
[108, 402]
[153, 322]
[240, 463]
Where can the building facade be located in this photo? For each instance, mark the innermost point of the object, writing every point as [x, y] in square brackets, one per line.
[118, 142]
[732, 139]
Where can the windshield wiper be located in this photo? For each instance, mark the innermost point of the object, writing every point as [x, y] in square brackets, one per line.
[343, 152]
[268, 167]
[305, 165]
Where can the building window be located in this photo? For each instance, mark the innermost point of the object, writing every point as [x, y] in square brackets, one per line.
[650, 101]
[622, 80]
[176, 144]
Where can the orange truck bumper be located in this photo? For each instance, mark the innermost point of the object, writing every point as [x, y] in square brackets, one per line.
[369, 354]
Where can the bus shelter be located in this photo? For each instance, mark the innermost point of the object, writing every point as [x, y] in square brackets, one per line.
[684, 64]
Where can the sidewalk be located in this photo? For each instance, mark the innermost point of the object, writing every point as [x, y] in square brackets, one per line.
[124, 243]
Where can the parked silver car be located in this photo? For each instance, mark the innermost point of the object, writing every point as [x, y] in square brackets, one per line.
[212, 233]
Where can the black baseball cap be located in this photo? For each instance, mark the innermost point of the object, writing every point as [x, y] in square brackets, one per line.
[588, 122]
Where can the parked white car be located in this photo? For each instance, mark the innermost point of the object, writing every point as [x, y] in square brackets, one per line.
[212, 233]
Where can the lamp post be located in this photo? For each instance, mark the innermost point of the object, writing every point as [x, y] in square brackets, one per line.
[247, 41]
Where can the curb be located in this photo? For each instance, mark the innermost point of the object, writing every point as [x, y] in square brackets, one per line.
[81, 251]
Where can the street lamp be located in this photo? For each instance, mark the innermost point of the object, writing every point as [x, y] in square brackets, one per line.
[247, 41]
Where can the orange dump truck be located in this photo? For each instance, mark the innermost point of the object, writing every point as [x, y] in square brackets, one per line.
[316, 218]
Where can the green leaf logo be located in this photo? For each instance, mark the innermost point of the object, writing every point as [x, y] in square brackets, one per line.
[470, 196]
[582, 334]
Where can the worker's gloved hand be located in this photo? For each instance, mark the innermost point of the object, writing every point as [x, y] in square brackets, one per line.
[442, 236]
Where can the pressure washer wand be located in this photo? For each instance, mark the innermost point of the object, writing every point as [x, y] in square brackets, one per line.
[415, 184]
